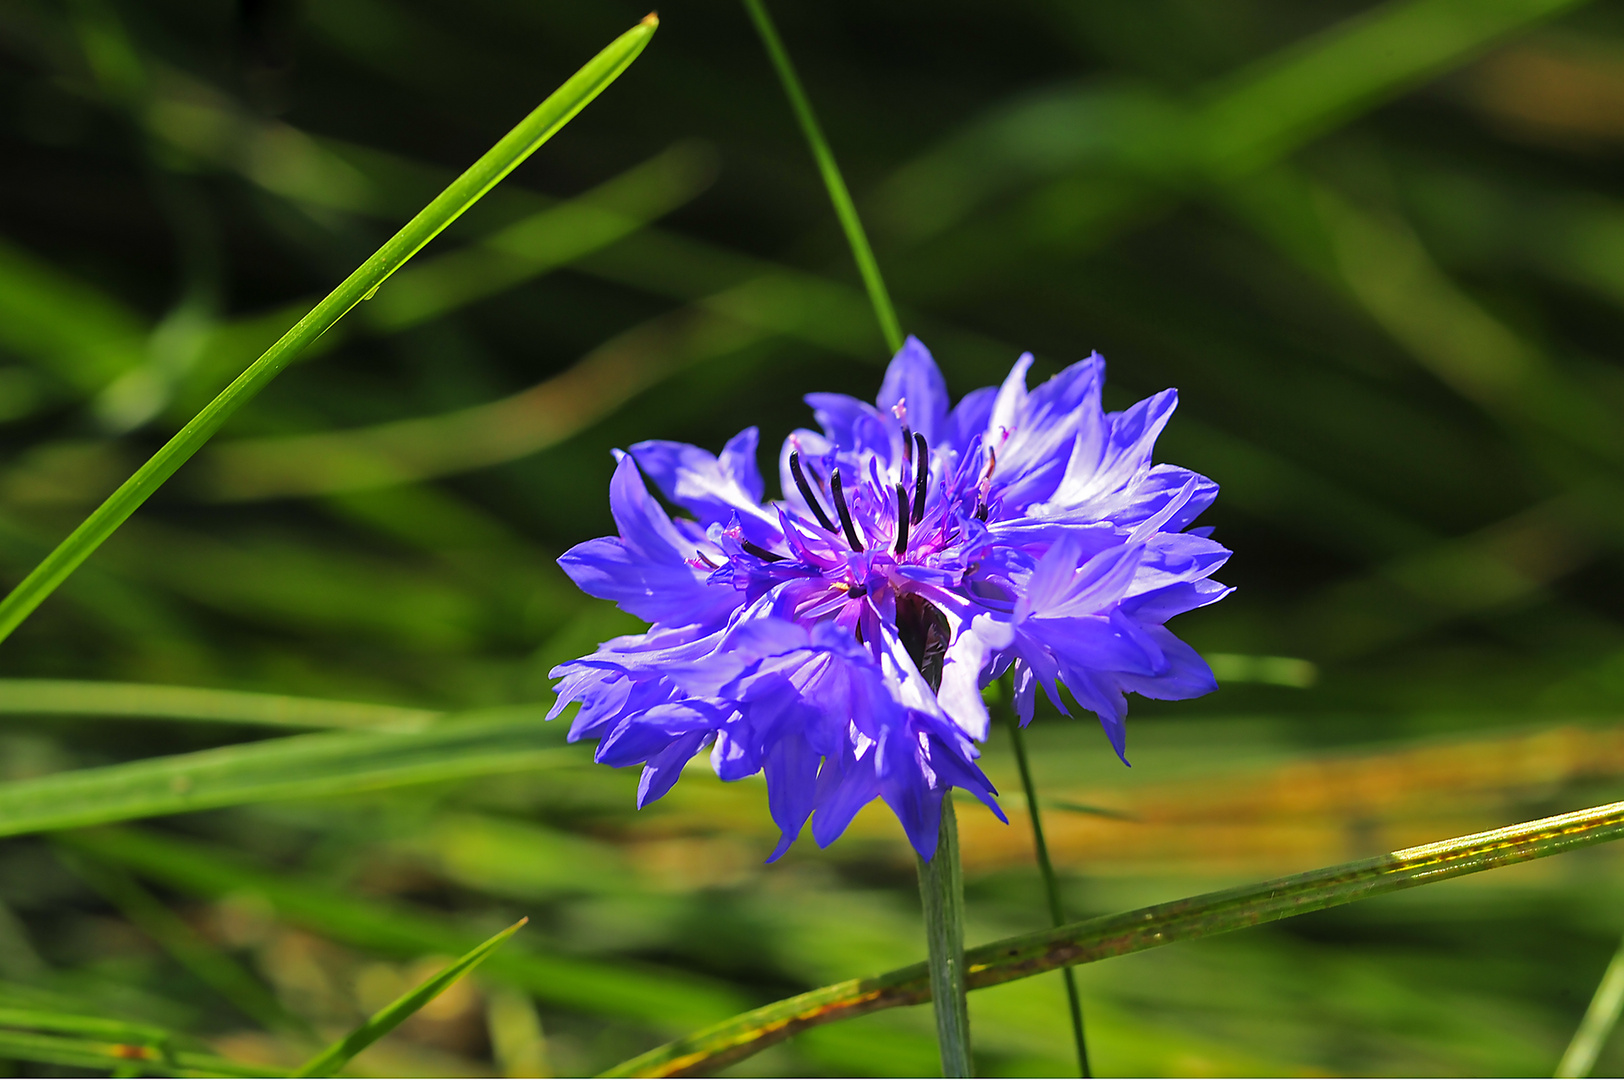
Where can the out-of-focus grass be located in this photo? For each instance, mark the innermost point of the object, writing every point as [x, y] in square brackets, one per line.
[1378, 249]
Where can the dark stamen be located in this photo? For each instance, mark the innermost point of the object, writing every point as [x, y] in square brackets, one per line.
[921, 477]
[856, 592]
[986, 484]
[845, 514]
[761, 552]
[907, 443]
[702, 557]
[806, 491]
[902, 520]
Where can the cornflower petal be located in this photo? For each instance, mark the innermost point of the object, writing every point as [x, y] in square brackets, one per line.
[711, 488]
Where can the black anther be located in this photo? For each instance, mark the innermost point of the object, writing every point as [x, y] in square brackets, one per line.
[921, 477]
[761, 552]
[902, 520]
[845, 514]
[806, 491]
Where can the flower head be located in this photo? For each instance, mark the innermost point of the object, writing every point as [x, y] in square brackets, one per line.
[839, 638]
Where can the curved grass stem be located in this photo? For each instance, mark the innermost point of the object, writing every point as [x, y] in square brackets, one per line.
[845, 210]
[1051, 886]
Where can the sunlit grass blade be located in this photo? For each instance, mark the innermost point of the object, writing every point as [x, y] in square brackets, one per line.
[396, 1012]
[300, 766]
[1134, 931]
[663, 999]
[548, 117]
[1598, 1023]
[845, 209]
[71, 697]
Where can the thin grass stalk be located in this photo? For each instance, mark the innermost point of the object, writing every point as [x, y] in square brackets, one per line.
[941, 893]
[1598, 1023]
[397, 1012]
[1051, 885]
[845, 209]
[1134, 931]
[542, 123]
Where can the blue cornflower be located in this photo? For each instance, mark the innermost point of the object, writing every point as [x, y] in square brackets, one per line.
[838, 639]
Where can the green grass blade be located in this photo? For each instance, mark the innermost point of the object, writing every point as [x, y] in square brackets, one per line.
[548, 117]
[663, 999]
[1598, 1023]
[1134, 931]
[300, 766]
[120, 1058]
[99, 1027]
[71, 697]
[845, 209]
[395, 1013]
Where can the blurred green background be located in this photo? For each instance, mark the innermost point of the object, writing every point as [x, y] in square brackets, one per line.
[1379, 250]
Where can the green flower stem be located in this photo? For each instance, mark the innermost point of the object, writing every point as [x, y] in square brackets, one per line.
[1600, 1019]
[941, 892]
[845, 210]
[518, 144]
[1134, 931]
[1051, 886]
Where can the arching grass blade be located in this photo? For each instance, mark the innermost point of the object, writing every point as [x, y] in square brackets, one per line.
[396, 1012]
[518, 144]
[1134, 931]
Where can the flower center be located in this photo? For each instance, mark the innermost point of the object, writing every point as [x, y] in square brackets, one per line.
[916, 453]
